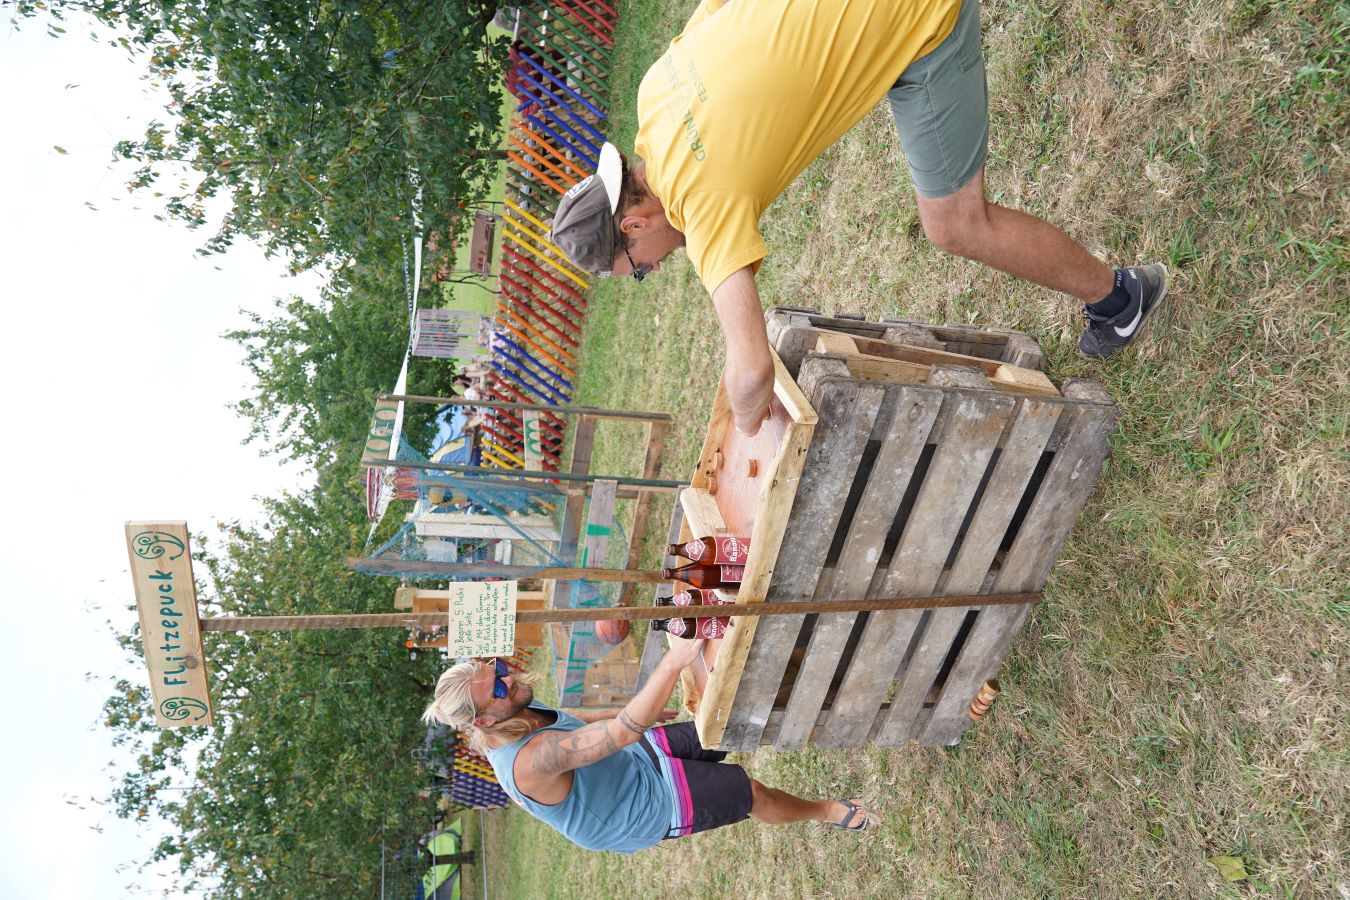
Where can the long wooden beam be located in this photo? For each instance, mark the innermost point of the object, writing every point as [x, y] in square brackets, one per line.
[597, 613]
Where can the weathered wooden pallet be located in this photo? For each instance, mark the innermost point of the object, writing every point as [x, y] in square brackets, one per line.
[793, 332]
[906, 490]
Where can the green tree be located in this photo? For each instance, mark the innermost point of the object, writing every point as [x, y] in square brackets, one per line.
[308, 769]
[319, 367]
[317, 120]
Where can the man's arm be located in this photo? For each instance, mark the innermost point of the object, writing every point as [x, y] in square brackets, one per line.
[749, 373]
[551, 754]
[598, 715]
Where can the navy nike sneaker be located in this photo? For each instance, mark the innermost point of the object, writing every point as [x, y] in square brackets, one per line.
[1108, 335]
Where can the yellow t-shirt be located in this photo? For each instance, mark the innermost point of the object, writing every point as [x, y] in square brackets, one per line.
[751, 92]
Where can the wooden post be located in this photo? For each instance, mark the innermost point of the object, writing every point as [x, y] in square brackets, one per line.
[631, 613]
[376, 566]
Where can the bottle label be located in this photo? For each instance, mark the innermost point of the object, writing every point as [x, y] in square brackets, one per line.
[713, 628]
[676, 627]
[694, 549]
[682, 598]
[732, 573]
[730, 549]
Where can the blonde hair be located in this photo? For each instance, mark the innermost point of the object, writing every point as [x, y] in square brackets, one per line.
[453, 705]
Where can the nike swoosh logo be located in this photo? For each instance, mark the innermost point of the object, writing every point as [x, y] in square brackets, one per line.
[1129, 330]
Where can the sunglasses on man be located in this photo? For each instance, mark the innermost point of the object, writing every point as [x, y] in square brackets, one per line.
[639, 272]
[499, 687]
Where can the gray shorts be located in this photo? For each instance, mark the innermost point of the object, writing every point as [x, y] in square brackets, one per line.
[941, 109]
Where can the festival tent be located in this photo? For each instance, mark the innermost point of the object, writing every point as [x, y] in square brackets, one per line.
[441, 882]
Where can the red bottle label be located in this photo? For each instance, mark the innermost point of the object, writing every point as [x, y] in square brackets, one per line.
[694, 549]
[732, 573]
[713, 628]
[730, 549]
[682, 598]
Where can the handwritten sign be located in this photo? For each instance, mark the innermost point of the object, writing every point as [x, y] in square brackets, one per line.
[482, 618]
[166, 599]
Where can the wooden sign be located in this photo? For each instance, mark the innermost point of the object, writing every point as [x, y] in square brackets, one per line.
[482, 618]
[381, 436]
[166, 599]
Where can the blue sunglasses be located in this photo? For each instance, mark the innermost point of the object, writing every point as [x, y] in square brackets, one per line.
[499, 687]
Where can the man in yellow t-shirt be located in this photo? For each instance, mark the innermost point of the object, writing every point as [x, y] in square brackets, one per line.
[752, 91]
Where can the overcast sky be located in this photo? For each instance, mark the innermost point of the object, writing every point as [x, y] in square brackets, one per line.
[115, 383]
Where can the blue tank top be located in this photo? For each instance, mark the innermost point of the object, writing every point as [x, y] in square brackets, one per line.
[620, 803]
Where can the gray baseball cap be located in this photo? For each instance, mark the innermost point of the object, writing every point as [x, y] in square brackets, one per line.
[584, 226]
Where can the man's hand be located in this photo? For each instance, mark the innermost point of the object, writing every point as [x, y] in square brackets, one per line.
[682, 653]
[749, 372]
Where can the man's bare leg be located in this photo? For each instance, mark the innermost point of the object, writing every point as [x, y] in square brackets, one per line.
[774, 807]
[965, 224]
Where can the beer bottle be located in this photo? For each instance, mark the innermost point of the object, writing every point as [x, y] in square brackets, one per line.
[715, 550]
[707, 627]
[701, 576]
[696, 597]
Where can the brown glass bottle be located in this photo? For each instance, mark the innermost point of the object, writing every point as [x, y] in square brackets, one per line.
[710, 627]
[720, 549]
[696, 597]
[707, 577]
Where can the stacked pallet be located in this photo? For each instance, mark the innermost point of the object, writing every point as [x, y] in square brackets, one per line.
[942, 462]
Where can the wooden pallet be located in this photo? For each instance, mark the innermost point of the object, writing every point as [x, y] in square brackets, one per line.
[793, 333]
[905, 490]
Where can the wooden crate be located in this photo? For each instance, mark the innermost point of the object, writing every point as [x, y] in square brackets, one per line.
[904, 490]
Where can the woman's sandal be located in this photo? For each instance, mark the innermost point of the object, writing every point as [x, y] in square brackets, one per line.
[854, 810]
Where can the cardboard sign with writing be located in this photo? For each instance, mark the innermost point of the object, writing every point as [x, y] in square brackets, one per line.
[166, 599]
[482, 618]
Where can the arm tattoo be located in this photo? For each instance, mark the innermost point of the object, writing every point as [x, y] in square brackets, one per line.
[556, 752]
[627, 722]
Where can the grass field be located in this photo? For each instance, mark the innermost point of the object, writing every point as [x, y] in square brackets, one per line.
[1180, 694]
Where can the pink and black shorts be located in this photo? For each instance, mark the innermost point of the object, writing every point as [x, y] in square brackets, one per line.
[709, 793]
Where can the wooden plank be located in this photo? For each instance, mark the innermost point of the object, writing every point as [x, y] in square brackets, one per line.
[1059, 501]
[738, 490]
[595, 544]
[654, 648]
[599, 524]
[651, 468]
[775, 724]
[719, 418]
[1028, 381]
[912, 364]
[787, 392]
[903, 436]
[846, 410]
[965, 446]
[579, 460]
[701, 512]
[771, 517]
[171, 639]
[875, 368]
[1019, 454]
